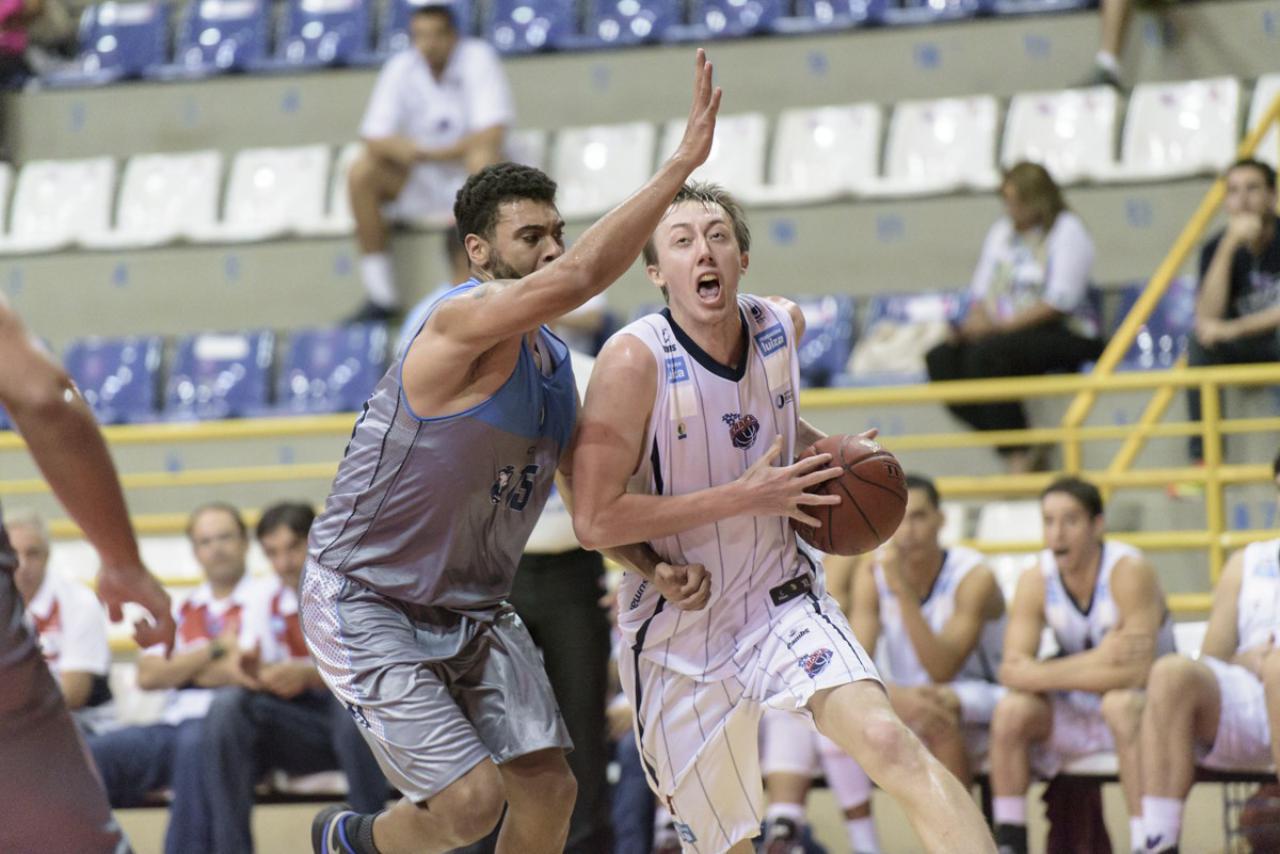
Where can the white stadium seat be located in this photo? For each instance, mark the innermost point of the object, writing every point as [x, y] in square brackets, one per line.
[1266, 90]
[1175, 130]
[598, 166]
[1071, 133]
[273, 192]
[6, 184]
[737, 166]
[528, 147]
[939, 147]
[164, 198]
[1189, 637]
[337, 219]
[822, 153]
[59, 202]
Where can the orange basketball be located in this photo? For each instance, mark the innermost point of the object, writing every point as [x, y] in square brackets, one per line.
[873, 492]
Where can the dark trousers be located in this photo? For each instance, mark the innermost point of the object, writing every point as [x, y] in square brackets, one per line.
[1027, 352]
[1242, 351]
[631, 801]
[558, 598]
[248, 733]
[137, 761]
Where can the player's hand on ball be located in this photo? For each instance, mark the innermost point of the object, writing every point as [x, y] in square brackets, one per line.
[780, 490]
[688, 587]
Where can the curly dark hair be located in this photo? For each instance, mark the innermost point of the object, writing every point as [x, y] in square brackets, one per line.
[476, 207]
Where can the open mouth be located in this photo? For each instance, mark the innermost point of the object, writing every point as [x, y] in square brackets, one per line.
[709, 287]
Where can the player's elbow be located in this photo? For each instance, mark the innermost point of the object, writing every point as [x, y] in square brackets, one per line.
[942, 672]
[47, 395]
[589, 528]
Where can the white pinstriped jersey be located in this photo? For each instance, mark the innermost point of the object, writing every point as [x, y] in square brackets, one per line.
[1258, 605]
[938, 607]
[709, 423]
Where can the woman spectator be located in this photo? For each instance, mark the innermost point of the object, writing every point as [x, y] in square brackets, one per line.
[1028, 308]
[15, 16]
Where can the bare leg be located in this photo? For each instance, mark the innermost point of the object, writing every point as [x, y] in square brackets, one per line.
[1115, 16]
[372, 182]
[1020, 720]
[1271, 686]
[934, 715]
[540, 796]
[784, 787]
[1182, 708]
[859, 718]
[1122, 710]
[461, 814]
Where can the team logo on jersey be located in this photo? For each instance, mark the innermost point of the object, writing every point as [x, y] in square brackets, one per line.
[784, 398]
[677, 370]
[817, 661]
[500, 485]
[743, 429]
[681, 432]
[756, 312]
[771, 339]
[684, 831]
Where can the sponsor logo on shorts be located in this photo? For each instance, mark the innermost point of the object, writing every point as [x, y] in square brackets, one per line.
[794, 637]
[817, 661]
[685, 832]
[743, 429]
[358, 714]
[677, 370]
[771, 339]
[635, 600]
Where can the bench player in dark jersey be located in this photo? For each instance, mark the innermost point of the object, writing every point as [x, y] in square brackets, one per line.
[50, 796]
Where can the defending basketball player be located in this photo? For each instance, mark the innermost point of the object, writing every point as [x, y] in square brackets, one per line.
[1104, 605]
[1215, 709]
[410, 564]
[687, 416]
[50, 796]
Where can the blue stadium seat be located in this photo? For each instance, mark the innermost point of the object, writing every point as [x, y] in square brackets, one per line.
[220, 376]
[319, 33]
[526, 26]
[625, 22]
[394, 34]
[117, 41]
[1163, 338]
[119, 377]
[817, 15]
[932, 11]
[902, 327]
[720, 19]
[1038, 7]
[828, 338]
[218, 36]
[331, 370]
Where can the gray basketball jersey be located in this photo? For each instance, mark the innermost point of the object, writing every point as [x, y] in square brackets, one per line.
[436, 511]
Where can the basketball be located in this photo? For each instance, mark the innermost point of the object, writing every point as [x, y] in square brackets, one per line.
[1260, 819]
[873, 492]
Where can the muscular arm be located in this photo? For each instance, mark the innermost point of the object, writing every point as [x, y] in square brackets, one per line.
[1256, 323]
[1220, 636]
[1026, 622]
[943, 654]
[1215, 285]
[156, 672]
[864, 618]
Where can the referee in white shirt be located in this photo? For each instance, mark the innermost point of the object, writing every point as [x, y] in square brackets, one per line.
[439, 112]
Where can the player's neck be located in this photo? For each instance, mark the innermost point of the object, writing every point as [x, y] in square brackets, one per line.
[1081, 576]
[722, 339]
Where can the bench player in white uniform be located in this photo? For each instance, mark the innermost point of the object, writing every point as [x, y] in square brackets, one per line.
[686, 415]
[1215, 709]
[1104, 605]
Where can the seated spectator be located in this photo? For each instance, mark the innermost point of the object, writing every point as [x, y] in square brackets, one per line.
[69, 621]
[1218, 710]
[15, 17]
[136, 761]
[1104, 606]
[283, 717]
[1238, 307]
[439, 112]
[1028, 311]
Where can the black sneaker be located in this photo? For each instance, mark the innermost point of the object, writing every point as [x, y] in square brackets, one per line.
[371, 312]
[328, 836]
[782, 836]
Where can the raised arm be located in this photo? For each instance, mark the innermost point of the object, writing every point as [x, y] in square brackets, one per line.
[64, 439]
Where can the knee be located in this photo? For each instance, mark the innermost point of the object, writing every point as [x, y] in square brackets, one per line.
[1122, 710]
[363, 175]
[1014, 718]
[888, 738]
[229, 705]
[472, 806]
[1271, 671]
[1170, 681]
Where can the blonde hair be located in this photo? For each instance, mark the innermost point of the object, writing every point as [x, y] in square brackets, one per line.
[1037, 190]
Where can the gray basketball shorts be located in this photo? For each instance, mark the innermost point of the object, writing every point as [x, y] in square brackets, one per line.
[434, 692]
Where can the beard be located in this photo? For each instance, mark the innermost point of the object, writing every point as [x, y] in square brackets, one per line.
[499, 268]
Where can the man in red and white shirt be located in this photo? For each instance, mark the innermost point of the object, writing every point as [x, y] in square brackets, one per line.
[136, 761]
[282, 717]
[68, 620]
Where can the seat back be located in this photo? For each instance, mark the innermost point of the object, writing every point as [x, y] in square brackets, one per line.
[119, 377]
[597, 167]
[166, 196]
[734, 18]
[820, 147]
[1163, 338]
[737, 156]
[1071, 133]
[223, 35]
[273, 190]
[126, 38]
[333, 369]
[220, 375]
[828, 337]
[1176, 129]
[1266, 90]
[332, 32]
[525, 26]
[630, 21]
[58, 201]
[941, 143]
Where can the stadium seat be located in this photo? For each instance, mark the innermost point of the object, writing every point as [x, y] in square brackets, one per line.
[337, 219]
[1071, 133]
[220, 376]
[1163, 338]
[739, 166]
[164, 198]
[1266, 90]
[1189, 637]
[900, 329]
[58, 202]
[828, 338]
[394, 34]
[626, 22]
[939, 147]
[912, 12]
[527, 26]
[818, 15]
[1037, 7]
[319, 33]
[118, 41]
[1010, 521]
[218, 36]
[119, 377]
[1175, 130]
[722, 19]
[273, 192]
[597, 167]
[528, 146]
[331, 370]
[821, 154]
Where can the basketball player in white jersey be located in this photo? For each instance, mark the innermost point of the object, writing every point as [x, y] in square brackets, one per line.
[686, 416]
[1104, 605]
[1222, 709]
[50, 796]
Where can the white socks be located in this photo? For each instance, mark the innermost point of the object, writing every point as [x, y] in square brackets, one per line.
[792, 812]
[863, 838]
[379, 282]
[848, 782]
[1137, 839]
[1010, 810]
[1108, 62]
[1161, 822]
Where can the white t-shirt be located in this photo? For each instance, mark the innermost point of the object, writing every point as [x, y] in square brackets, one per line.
[271, 621]
[71, 625]
[1018, 270]
[471, 95]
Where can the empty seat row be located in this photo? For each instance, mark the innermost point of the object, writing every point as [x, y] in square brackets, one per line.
[131, 40]
[1171, 130]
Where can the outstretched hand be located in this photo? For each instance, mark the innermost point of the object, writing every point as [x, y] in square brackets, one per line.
[700, 130]
[117, 585]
